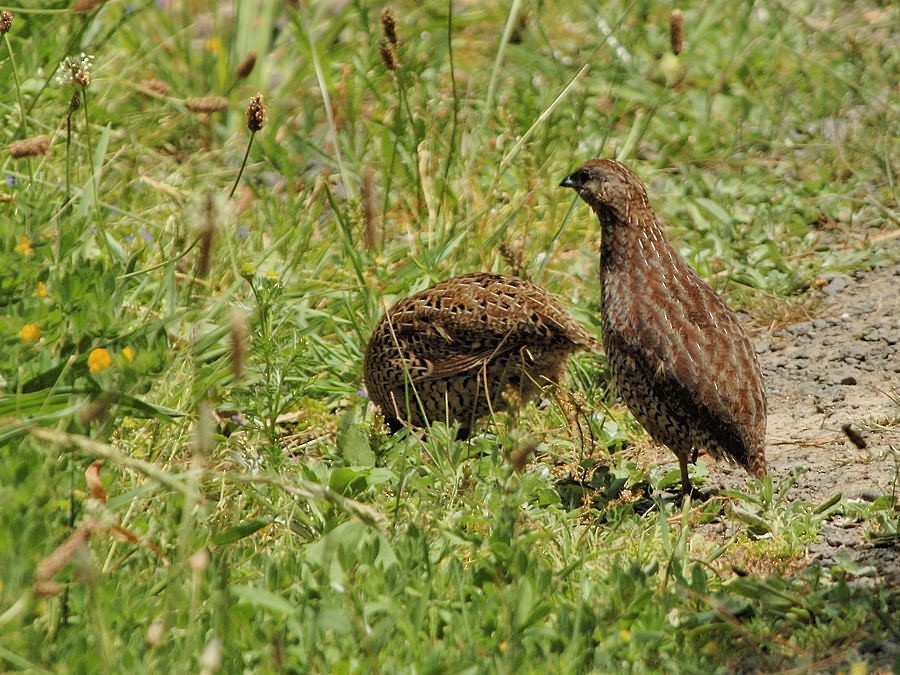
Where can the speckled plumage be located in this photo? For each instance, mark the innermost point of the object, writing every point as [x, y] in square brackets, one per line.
[454, 351]
[680, 358]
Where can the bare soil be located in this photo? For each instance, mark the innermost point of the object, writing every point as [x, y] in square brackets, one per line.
[837, 369]
[842, 368]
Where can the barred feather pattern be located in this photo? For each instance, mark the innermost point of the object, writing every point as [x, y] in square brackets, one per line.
[681, 360]
[469, 346]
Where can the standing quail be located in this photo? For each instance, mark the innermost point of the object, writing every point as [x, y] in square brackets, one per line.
[681, 360]
[456, 351]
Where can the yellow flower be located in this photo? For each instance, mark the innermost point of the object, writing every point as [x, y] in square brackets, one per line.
[272, 274]
[710, 648]
[24, 246]
[247, 269]
[98, 360]
[214, 46]
[40, 290]
[128, 353]
[30, 333]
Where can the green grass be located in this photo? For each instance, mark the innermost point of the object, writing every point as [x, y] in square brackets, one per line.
[252, 509]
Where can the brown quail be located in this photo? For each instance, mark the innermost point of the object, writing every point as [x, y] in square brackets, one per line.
[456, 351]
[681, 360]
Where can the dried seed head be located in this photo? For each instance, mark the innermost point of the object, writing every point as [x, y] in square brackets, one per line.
[86, 5]
[256, 113]
[96, 410]
[518, 32]
[246, 66]
[237, 328]
[75, 70]
[155, 86]
[514, 258]
[367, 207]
[54, 563]
[389, 25]
[388, 54]
[30, 147]
[520, 455]
[204, 439]
[676, 25]
[208, 230]
[206, 104]
[5, 21]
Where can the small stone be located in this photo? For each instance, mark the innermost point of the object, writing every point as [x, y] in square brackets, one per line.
[762, 347]
[853, 352]
[798, 329]
[864, 494]
[838, 536]
[872, 335]
[836, 283]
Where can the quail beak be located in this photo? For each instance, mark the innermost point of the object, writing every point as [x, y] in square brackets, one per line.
[569, 183]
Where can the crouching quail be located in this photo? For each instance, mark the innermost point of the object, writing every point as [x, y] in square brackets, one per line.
[466, 347]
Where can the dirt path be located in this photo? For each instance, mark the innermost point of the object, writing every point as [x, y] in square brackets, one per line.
[842, 367]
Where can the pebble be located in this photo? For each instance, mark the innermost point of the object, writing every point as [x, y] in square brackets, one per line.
[798, 329]
[828, 393]
[762, 346]
[842, 375]
[836, 283]
[864, 494]
[853, 352]
[837, 536]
